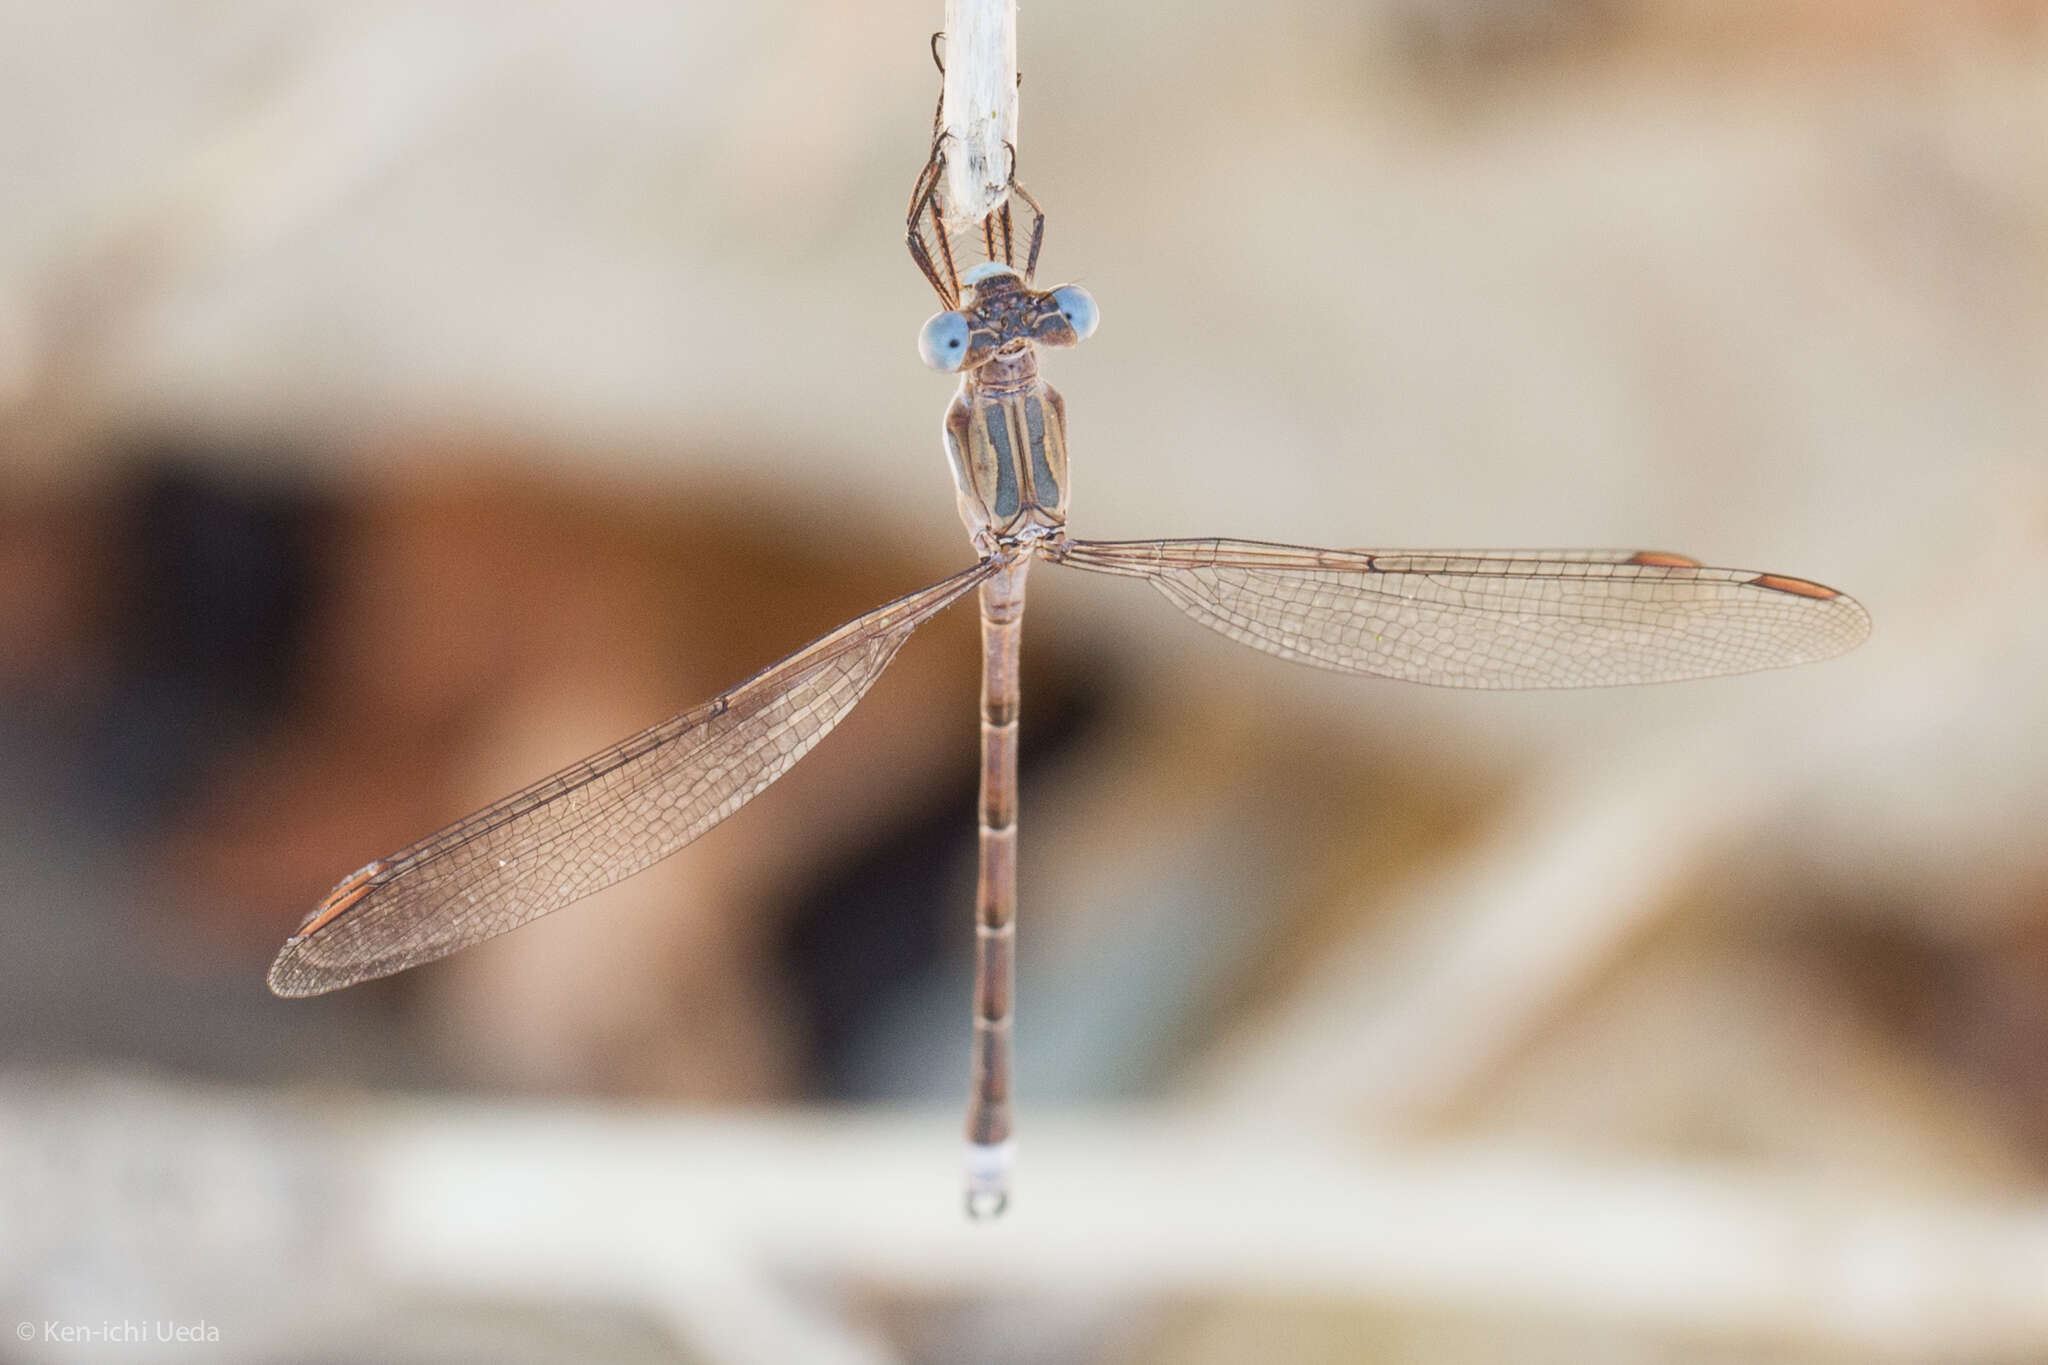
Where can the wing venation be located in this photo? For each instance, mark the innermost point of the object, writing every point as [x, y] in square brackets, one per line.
[1491, 618]
[599, 820]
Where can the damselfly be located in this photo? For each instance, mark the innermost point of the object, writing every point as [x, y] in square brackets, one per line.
[1453, 618]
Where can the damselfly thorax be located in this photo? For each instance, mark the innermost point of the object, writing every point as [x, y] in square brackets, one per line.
[1006, 438]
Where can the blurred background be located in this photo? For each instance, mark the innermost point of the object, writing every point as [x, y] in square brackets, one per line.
[400, 400]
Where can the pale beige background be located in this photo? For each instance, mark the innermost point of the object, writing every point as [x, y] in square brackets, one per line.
[1764, 283]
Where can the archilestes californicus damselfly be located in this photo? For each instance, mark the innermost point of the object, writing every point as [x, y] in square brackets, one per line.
[1461, 618]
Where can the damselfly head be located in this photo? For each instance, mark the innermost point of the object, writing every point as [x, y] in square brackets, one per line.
[1000, 314]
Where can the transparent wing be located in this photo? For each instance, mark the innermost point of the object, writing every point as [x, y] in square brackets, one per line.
[600, 820]
[1491, 618]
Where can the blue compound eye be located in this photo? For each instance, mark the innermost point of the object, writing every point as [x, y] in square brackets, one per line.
[1077, 306]
[943, 342]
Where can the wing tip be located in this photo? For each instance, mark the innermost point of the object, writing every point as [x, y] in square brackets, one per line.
[301, 969]
[1852, 623]
[291, 977]
[288, 975]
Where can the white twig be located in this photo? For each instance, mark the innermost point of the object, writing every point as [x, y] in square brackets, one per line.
[979, 111]
[1148, 1205]
[745, 1232]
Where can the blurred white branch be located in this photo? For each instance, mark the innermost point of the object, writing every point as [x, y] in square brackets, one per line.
[294, 1219]
[1149, 1205]
[979, 112]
